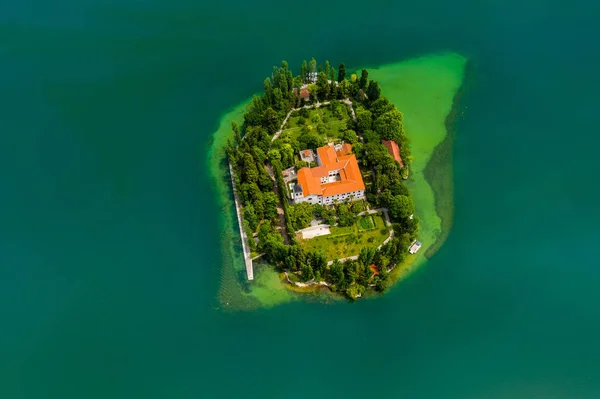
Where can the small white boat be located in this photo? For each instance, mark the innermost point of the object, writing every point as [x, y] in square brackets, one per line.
[414, 247]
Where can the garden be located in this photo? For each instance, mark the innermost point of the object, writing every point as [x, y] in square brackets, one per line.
[330, 121]
[368, 231]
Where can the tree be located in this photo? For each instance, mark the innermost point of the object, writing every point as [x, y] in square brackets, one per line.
[321, 128]
[383, 263]
[268, 86]
[250, 217]
[253, 115]
[357, 207]
[355, 291]
[333, 87]
[264, 181]
[344, 89]
[273, 155]
[380, 107]
[383, 283]
[318, 210]
[349, 136]
[307, 273]
[341, 72]
[249, 168]
[287, 155]
[373, 92]
[271, 120]
[318, 261]
[327, 68]
[304, 71]
[277, 100]
[364, 79]
[313, 90]
[300, 164]
[337, 272]
[363, 119]
[301, 215]
[345, 216]
[236, 132]
[311, 140]
[250, 192]
[366, 255]
[322, 86]
[270, 201]
[389, 126]
[312, 66]
[401, 207]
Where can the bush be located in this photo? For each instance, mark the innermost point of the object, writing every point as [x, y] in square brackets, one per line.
[358, 206]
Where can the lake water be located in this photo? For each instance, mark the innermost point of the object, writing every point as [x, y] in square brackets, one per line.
[110, 256]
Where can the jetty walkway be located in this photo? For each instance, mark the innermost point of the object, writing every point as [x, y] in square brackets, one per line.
[245, 246]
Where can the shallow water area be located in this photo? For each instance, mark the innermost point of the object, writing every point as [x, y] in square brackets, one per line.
[423, 89]
[120, 274]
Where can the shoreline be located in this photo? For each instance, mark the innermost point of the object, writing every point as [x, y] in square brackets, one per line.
[270, 288]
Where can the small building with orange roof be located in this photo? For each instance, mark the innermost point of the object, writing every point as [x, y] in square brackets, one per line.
[304, 93]
[337, 177]
[374, 270]
[393, 150]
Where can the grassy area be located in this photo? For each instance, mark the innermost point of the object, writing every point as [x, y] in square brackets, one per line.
[324, 115]
[366, 223]
[348, 241]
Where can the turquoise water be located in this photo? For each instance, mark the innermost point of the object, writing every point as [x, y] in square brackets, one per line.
[109, 256]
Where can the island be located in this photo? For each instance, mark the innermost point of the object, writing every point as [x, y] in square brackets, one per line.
[317, 172]
[429, 90]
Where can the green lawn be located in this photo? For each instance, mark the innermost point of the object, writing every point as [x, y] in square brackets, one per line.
[332, 123]
[348, 241]
[365, 223]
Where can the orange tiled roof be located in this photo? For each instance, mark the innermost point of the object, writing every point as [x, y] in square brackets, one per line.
[373, 269]
[394, 150]
[347, 165]
[346, 149]
[310, 184]
[304, 93]
[327, 155]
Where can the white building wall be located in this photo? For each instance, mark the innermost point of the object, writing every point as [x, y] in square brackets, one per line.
[318, 199]
[355, 196]
[311, 199]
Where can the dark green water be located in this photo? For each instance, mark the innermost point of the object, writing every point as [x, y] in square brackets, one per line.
[109, 256]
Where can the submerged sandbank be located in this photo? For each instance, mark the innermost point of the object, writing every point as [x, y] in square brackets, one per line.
[423, 89]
